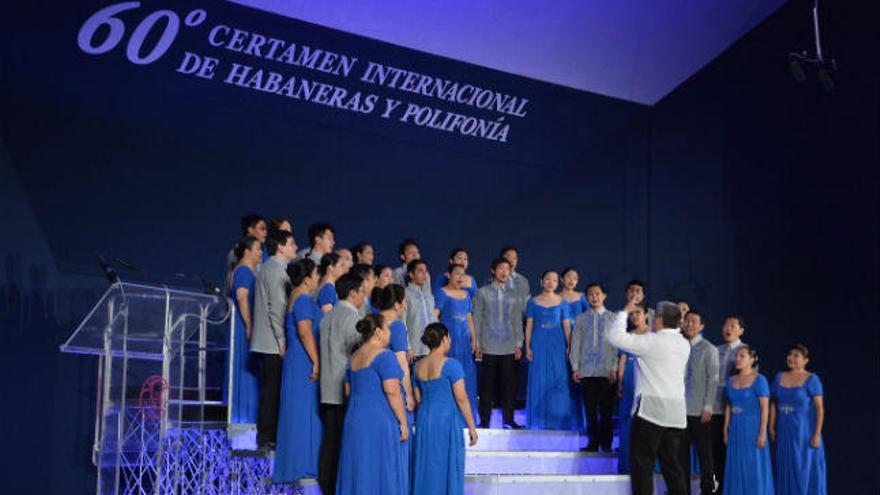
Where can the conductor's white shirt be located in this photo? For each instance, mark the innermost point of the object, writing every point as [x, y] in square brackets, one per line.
[660, 368]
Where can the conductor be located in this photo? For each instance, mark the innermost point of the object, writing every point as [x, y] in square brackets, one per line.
[660, 415]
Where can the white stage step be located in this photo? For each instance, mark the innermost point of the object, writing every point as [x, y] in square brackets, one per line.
[528, 440]
[542, 484]
[244, 437]
[535, 462]
[523, 462]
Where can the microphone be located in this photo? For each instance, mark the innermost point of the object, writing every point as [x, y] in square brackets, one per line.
[128, 265]
[108, 270]
[208, 287]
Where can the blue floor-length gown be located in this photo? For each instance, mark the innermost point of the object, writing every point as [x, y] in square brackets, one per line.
[400, 343]
[624, 412]
[453, 314]
[438, 460]
[245, 369]
[747, 470]
[371, 460]
[800, 468]
[299, 422]
[550, 404]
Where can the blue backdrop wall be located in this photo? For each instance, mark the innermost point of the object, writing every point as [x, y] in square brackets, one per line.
[720, 194]
[763, 203]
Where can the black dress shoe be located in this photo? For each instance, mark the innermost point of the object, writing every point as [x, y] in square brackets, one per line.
[484, 426]
[590, 448]
[513, 426]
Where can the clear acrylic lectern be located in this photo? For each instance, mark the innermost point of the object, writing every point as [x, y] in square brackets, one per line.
[161, 355]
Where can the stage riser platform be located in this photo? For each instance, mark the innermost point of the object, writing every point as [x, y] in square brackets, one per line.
[542, 484]
[488, 462]
[244, 437]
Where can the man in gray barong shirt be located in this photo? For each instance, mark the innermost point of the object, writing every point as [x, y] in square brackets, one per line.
[268, 340]
[517, 282]
[322, 238]
[339, 337]
[499, 332]
[419, 307]
[594, 367]
[408, 251]
[700, 387]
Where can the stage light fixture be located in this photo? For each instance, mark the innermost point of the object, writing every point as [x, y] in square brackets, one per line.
[824, 66]
[797, 69]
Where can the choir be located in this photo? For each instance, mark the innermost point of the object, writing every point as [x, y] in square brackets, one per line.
[365, 376]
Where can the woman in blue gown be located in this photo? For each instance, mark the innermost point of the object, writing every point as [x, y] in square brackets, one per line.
[796, 417]
[392, 305]
[331, 268]
[455, 309]
[747, 470]
[577, 301]
[384, 278]
[458, 256]
[550, 404]
[626, 388]
[371, 460]
[299, 423]
[444, 410]
[245, 370]
[364, 253]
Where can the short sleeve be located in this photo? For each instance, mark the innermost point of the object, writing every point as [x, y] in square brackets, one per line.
[347, 376]
[774, 387]
[399, 342]
[303, 309]
[387, 366]
[243, 278]
[584, 304]
[472, 290]
[470, 301]
[814, 386]
[440, 299]
[530, 309]
[452, 369]
[564, 310]
[760, 386]
[327, 295]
